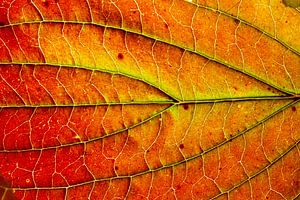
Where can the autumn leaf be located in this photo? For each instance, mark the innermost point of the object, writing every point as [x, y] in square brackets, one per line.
[136, 99]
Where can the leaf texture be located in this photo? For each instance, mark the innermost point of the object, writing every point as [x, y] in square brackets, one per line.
[149, 99]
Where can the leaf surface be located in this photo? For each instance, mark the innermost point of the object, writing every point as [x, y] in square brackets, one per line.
[149, 99]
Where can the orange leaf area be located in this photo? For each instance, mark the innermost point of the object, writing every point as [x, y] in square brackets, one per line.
[136, 99]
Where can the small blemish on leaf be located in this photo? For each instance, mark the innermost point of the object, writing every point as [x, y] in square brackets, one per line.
[185, 106]
[45, 3]
[177, 187]
[116, 168]
[294, 109]
[120, 56]
[236, 21]
[2, 23]
[181, 146]
[291, 3]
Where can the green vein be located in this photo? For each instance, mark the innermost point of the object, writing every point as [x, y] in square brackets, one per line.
[199, 101]
[176, 101]
[153, 37]
[133, 126]
[173, 98]
[190, 158]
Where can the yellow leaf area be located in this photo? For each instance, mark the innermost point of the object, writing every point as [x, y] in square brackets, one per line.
[277, 18]
[149, 99]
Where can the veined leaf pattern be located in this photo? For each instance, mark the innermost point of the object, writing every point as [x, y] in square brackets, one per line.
[149, 99]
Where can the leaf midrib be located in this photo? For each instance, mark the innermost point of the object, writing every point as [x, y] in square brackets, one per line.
[176, 102]
[171, 105]
[198, 101]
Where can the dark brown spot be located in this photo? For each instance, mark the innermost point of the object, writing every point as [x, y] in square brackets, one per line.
[46, 3]
[286, 21]
[185, 106]
[181, 146]
[166, 26]
[2, 23]
[56, 1]
[269, 88]
[178, 187]
[236, 21]
[294, 109]
[116, 167]
[235, 88]
[120, 56]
